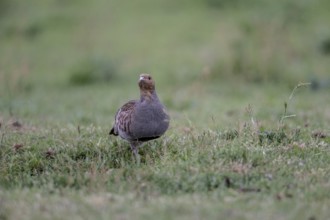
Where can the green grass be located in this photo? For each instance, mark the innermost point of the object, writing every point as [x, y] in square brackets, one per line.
[224, 69]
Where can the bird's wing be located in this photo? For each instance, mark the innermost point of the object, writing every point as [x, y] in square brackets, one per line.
[123, 118]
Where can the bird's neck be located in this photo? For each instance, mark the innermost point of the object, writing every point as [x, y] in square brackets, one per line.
[148, 95]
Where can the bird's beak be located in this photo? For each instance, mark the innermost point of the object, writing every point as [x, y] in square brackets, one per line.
[141, 78]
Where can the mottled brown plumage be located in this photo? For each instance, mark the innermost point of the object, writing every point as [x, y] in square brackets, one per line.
[141, 120]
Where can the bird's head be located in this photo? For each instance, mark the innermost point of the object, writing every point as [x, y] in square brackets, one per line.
[146, 83]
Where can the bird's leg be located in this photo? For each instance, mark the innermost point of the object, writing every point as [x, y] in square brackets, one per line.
[135, 149]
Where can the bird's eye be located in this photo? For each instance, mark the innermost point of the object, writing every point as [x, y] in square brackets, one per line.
[149, 77]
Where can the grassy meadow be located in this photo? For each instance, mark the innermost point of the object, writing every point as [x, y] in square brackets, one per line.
[246, 84]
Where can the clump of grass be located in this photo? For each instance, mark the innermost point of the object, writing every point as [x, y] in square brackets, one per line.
[92, 71]
[285, 114]
[230, 134]
[278, 135]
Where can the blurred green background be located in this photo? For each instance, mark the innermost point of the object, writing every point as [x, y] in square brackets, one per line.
[59, 57]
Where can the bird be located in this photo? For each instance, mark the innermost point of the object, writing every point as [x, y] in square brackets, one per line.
[141, 120]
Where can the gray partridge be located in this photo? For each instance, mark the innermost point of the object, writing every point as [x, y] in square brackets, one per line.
[141, 120]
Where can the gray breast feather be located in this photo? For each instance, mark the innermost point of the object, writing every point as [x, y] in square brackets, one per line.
[150, 121]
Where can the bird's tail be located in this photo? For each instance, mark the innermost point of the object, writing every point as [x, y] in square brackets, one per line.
[112, 132]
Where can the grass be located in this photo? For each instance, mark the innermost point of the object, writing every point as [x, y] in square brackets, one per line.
[233, 150]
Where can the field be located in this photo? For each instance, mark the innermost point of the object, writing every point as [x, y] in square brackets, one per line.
[246, 84]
